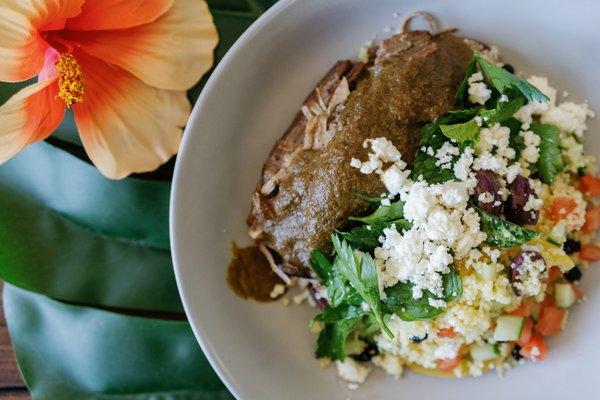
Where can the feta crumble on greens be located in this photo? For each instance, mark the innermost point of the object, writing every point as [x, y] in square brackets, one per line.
[415, 281]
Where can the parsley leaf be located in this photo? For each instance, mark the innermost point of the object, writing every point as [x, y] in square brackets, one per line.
[400, 300]
[360, 270]
[332, 338]
[464, 132]
[501, 233]
[550, 161]
[504, 109]
[383, 213]
[460, 97]
[366, 237]
[503, 81]
[338, 289]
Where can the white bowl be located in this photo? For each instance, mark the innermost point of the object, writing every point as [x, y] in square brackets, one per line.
[265, 352]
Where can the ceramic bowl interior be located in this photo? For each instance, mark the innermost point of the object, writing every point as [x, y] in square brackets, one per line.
[265, 352]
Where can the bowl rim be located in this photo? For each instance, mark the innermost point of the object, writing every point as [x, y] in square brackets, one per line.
[174, 199]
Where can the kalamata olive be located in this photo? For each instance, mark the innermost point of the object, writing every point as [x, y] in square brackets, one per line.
[516, 268]
[515, 208]
[486, 192]
[369, 352]
[320, 302]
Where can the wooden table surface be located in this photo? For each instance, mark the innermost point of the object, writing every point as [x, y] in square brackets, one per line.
[11, 385]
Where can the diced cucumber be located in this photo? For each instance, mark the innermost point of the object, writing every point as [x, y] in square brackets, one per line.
[484, 351]
[557, 235]
[508, 327]
[564, 295]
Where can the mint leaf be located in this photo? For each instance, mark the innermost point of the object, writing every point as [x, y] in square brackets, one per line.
[360, 270]
[550, 161]
[461, 95]
[344, 311]
[503, 81]
[400, 301]
[383, 213]
[366, 237]
[464, 132]
[501, 233]
[503, 111]
[332, 338]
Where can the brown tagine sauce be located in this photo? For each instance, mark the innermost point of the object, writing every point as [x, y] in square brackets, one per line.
[249, 274]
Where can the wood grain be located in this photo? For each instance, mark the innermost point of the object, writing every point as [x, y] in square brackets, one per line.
[11, 384]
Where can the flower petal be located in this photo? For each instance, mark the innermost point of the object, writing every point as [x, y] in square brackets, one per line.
[32, 114]
[171, 53]
[125, 125]
[22, 48]
[47, 14]
[118, 14]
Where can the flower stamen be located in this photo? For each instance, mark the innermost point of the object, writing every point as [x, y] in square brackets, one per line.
[71, 80]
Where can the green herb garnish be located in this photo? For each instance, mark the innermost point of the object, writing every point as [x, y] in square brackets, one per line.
[400, 300]
[550, 161]
[464, 132]
[383, 213]
[366, 237]
[501, 233]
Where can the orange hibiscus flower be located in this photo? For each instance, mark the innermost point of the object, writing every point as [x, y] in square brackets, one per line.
[123, 66]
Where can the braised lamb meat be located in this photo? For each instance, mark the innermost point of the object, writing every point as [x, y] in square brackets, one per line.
[308, 188]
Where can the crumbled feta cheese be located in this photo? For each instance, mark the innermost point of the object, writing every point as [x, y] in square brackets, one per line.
[351, 371]
[531, 276]
[531, 152]
[445, 154]
[478, 91]
[503, 99]
[568, 117]
[390, 363]
[533, 204]
[485, 197]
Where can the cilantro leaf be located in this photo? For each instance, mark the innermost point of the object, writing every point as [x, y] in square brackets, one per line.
[550, 161]
[501, 233]
[401, 302]
[460, 97]
[503, 111]
[360, 270]
[502, 80]
[383, 213]
[464, 132]
[366, 237]
[332, 338]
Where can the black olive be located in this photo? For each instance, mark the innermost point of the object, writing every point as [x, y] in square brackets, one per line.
[369, 352]
[516, 352]
[520, 191]
[581, 171]
[509, 68]
[488, 185]
[571, 246]
[574, 274]
[416, 339]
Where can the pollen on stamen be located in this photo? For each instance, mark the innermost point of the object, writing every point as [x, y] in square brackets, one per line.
[71, 80]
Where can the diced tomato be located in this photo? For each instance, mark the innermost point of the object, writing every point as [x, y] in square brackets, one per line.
[551, 320]
[590, 184]
[592, 220]
[561, 206]
[524, 310]
[448, 364]
[526, 332]
[447, 333]
[535, 349]
[589, 252]
[548, 301]
[578, 292]
[554, 274]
